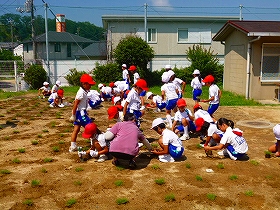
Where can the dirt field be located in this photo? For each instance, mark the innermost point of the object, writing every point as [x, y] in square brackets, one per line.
[27, 120]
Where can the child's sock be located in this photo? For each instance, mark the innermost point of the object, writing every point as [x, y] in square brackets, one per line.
[186, 130]
[168, 117]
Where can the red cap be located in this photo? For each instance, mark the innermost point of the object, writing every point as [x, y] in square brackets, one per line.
[90, 129]
[142, 84]
[197, 106]
[208, 78]
[119, 107]
[112, 84]
[60, 93]
[181, 102]
[199, 123]
[112, 111]
[132, 68]
[87, 78]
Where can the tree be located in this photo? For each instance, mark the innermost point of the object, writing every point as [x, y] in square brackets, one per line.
[34, 76]
[133, 50]
[8, 55]
[206, 61]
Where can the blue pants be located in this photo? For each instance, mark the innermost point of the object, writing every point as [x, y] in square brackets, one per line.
[196, 93]
[212, 108]
[171, 104]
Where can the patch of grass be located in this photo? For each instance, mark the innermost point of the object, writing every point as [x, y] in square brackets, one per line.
[21, 150]
[15, 131]
[118, 183]
[198, 146]
[1, 115]
[233, 177]
[53, 124]
[48, 160]
[32, 118]
[79, 169]
[249, 193]
[233, 99]
[1, 126]
[16, 160]
[61, 142]
[43, 170]
[26, 122]
[188, 165]
[66, 130]
[198, 178]
[55, 149]
[34, 142]
[45, 131]
[35, 183]
[120, 168]
[268, 177]
[211, 196]
[40, 136]
[5, 171]
[220, 166]
[58, 115]
[7, 138]
[169, 197]
[154, 145]
[28, 202]
[254, 162]
[120, 201]
[155, 167]
[78, 183]
[61, 134]
[70, 202]
[160, 181]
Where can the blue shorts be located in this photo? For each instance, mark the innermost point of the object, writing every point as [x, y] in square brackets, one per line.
[196, 93]
[137, 115]
[191, 127]
[50, 101]
[106, 95]
[94, 104]
[212, 108]
[175, 152]
[82, 119]
[161, 105]
[171, 104]
[233, 152]
[143, 93]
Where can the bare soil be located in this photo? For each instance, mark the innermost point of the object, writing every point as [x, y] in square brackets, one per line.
[27, 119]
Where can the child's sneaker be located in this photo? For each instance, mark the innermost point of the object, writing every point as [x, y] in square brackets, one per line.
[51, 105]
[166, 158]
[185, 137]
[102, 158]
[81, 154]
[61, 105]
[73, 149]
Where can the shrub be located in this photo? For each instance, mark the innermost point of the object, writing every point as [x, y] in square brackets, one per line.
[5, 171]
[107, 73]
[73, 78]
[34, 76]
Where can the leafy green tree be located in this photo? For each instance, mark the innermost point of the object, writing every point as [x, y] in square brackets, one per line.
[34, 76]
[8, 55]
[206, 61]
[73, 78]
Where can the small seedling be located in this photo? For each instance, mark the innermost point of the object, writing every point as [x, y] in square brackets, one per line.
[55, 149]
[40, 136]
[267, 154]
[188, 165]
[169, 197]
[43, 170]
[268, 177]
[7, 138]
[34, 142]
[5, 171]
[154, 145]
[45, 130]
[254, 162]
[48, 160]
[53, 124]
[58, 115]
[1, 126]
[120, 168]
[16, 160]
[21, 150]
[32, 118]
[78, 183]
[35, 183]
[211, 196]
[1, 115]
[66, 130]
[233, 177]
[79, 169]
[70, 202]
[120, 201]
[155, 167]
[25, 122]
[16, 131]
[118, 183]
[198, 146]
[61, 142]
[220, 166]
[61, 134]
[249, 193]
[160, 181]
[198, 178]
[28, 202]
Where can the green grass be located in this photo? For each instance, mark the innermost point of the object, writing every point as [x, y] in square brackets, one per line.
[198, 178]
[61, 135]
[160, 181]
[5, 171]
[169, 197]
[120, 201]
[48, 160]
[79, 169]
[45, 131]
[211, 196]
[70, 202]
[233, 177]
[7, 138]
[15, 131]
[254, 162]
[188, 165]
[34, 142]
[249, 193]
[78, 183]
[35, 183]
[40, 136]
[155, 167]
[43, 170]
[55, 149]
[21, 150]
[220, 166]
[198, 146]
[118, 183]
[61, 142]
[16, 160]
[28, 202]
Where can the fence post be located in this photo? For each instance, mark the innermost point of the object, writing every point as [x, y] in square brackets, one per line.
[16, 80]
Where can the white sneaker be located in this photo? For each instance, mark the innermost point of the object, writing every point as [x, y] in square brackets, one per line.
[73, 149]
[221, 153]
[51, 105]
[81, 153]
[185, 137]
[140, 144]
[166, 158]
[93, 153]
[102, 158]
[60, 105]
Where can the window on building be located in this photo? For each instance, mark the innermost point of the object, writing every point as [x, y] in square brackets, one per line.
[57, 47]
[194, 36]
[270, 67]
[27, 48]
[69, 53]
[152, 35]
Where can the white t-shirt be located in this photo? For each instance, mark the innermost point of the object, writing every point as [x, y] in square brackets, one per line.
[100, 138]
[46, 89]
[203, 114]
[169, 137]
[93, 95]
[55, 88]
[157, 99]
[133, 100]
[196, 84]
[106, 90]
[213, 129]
[170, 90]
[121, 85]
[180, 115]
[178, 82]
[53, 96]
[214, 91]
[238, 142]
[83, 98]
[124, 74]
[135, 77]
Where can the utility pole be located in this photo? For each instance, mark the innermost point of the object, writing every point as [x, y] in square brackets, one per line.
[240, 12]
[47, 40]
[145, 21]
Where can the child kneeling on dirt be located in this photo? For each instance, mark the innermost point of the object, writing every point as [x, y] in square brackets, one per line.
[276, 147]
[171, 145]
[56, 98]
[99, 147]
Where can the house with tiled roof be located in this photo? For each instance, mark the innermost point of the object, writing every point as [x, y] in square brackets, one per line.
[252, 58]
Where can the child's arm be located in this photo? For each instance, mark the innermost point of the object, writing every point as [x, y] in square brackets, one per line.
[75, 106]
[218, 147]
[174, 125]
[162, 151]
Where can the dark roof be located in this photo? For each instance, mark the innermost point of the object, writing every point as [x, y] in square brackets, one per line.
[251, 28]
[8, 45]
[96, 49]
[54, 36]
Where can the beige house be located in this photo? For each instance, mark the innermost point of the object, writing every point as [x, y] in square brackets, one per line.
[252, 58]
[169, 36]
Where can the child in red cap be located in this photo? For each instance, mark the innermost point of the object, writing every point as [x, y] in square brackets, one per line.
[55, 99]
[79, 112]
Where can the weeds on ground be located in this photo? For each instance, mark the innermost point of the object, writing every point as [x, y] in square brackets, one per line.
[198, 178]
[21, 150]
[120, 201]
[61, 142]
[254, 162]
[155, 167]
[120, 168]
[58, 115]
[15, 131]
[211, 196]
[249, 193]
[53, 124]
[233, 177]
[25, 122]
[220, 166]
[55, 149]
[66, 130]
[45, 131]
[70, 202]
[35, 183]
[169, 197]
[43, 170]
[16, 160]
[268, 177]
[28, 202]
[5, 171]
[78, 183]
[34, 142]
[48, 160]
[78, 169]
[40, 136]
[118, 183]
[7, 138]
[188, 165]
[160, 181]
[61, 134]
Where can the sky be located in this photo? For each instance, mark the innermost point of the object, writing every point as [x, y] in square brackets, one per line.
[92, 10]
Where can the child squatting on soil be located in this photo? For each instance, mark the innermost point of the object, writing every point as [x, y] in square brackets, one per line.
[170, 145]
[99, 146]
[45, 90]
[233, 143]
[56, 99]
[79, 112]
[275, 148]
